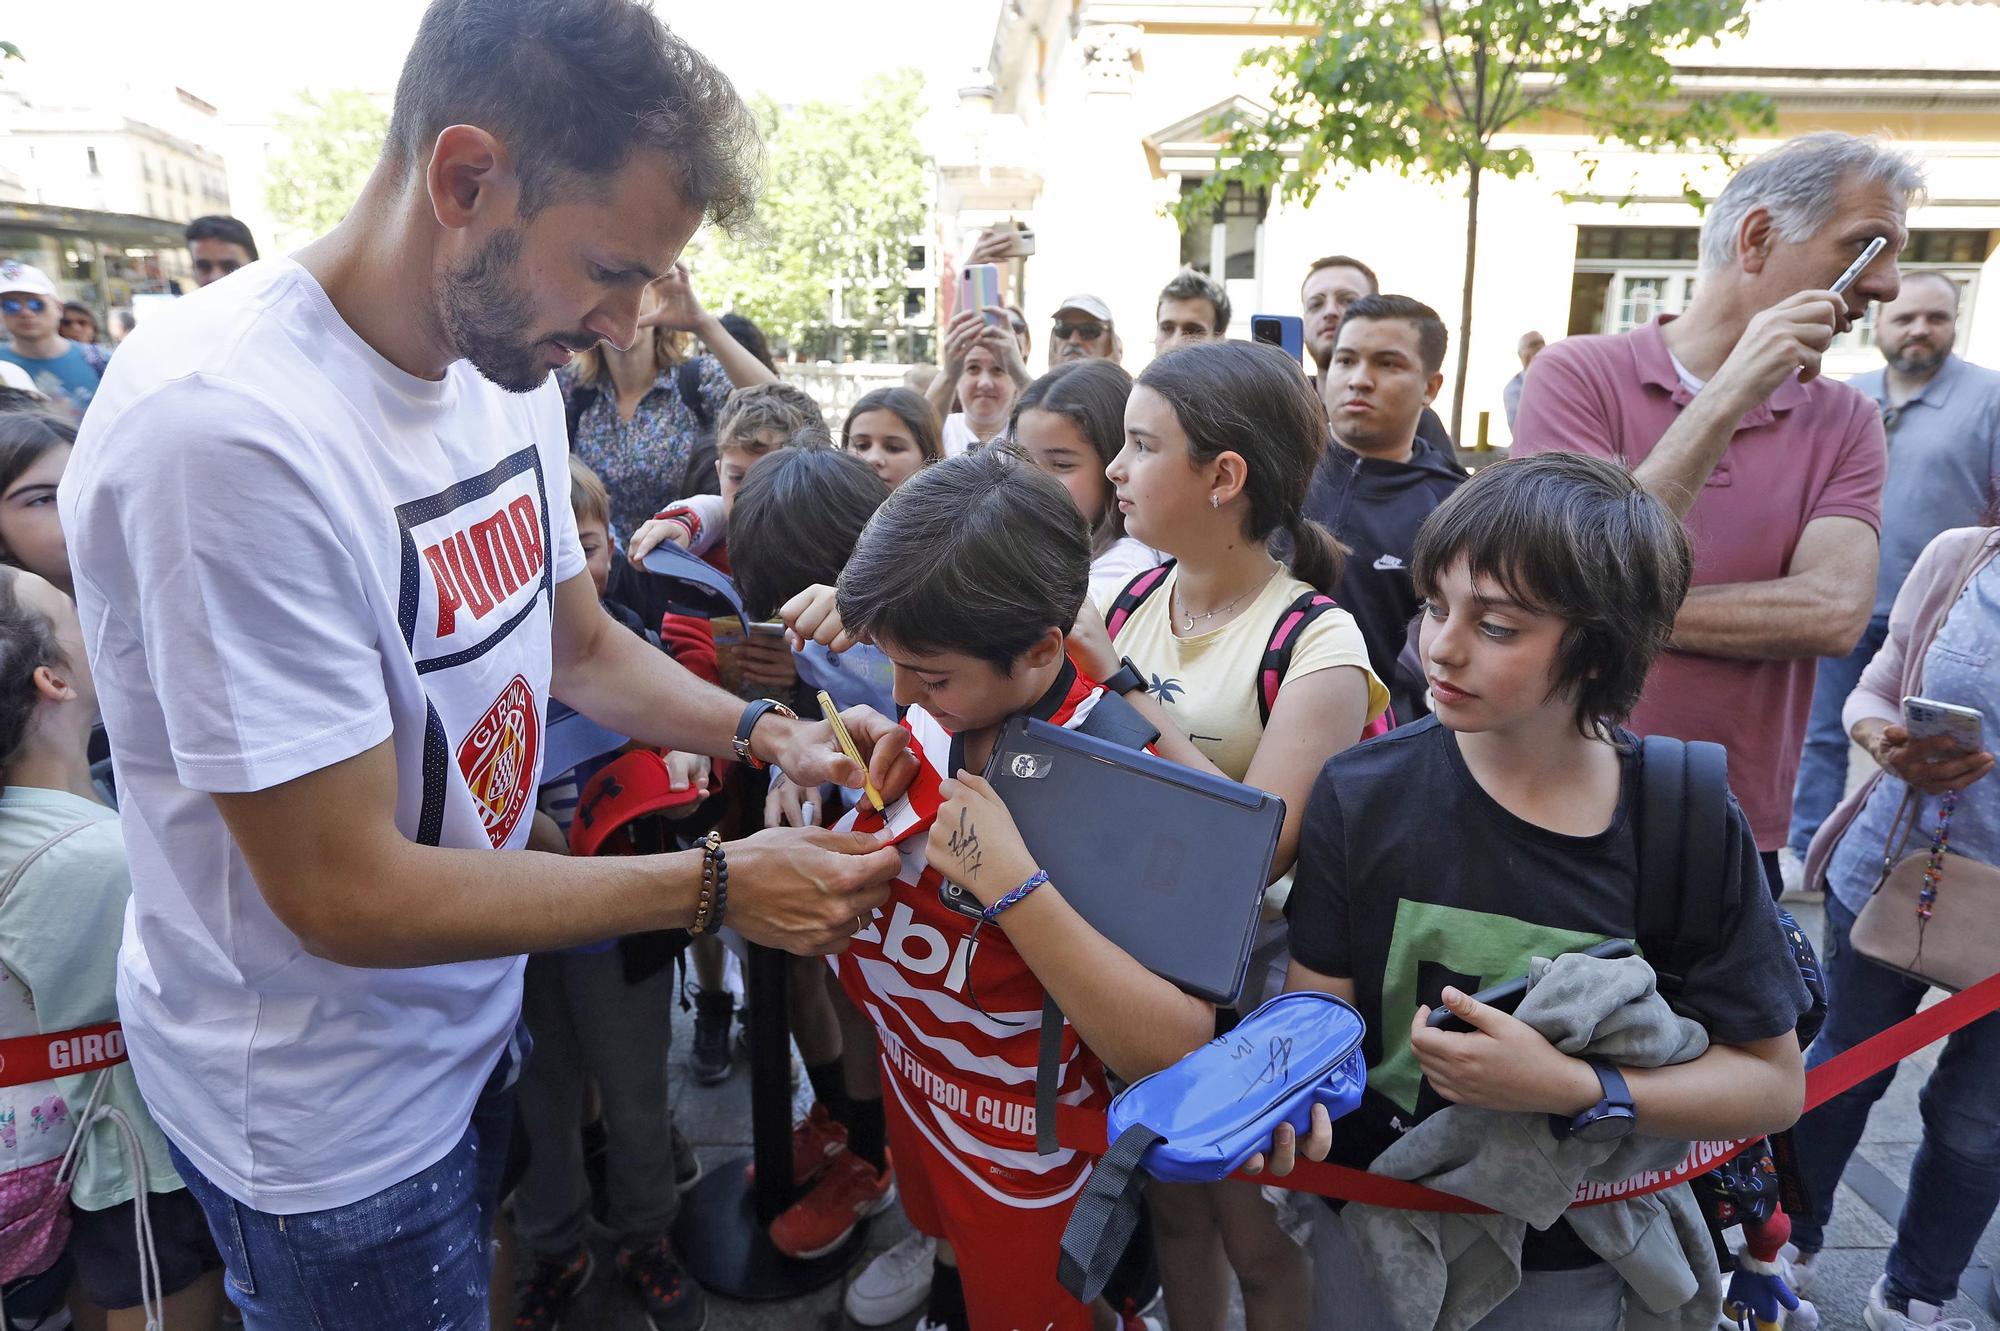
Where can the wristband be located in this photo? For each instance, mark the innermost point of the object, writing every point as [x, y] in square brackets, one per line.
[1014, 898]
[1125, 679]
[686, 517]
[714, 897]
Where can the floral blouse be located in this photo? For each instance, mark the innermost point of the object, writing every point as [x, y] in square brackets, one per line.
[643, 462]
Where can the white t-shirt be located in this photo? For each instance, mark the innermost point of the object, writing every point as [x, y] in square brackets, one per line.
[287, 551]
[959, 436]
[1123, 560]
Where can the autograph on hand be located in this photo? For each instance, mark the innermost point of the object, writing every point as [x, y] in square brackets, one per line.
[964, 843]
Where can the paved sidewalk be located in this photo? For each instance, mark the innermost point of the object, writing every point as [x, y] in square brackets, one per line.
[717, 1121]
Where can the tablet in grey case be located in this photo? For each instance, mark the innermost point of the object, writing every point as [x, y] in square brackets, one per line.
[1167, 862]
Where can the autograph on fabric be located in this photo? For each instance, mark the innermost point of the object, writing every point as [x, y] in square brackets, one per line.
[964, 843]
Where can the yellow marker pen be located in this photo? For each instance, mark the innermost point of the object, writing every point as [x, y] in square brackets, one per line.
[846, 742]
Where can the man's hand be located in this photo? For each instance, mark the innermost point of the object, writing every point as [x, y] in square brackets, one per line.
[807, 890]
[1932, 766]
[808, 752]
[670, 302]
[1502, 1063]
[1790, 336]
[654, 532]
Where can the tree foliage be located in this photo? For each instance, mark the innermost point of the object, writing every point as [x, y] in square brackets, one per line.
[844, 198]
[332, 143]
[1432, 87]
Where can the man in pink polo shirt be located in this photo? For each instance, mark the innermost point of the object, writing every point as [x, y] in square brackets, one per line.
[1722, 415]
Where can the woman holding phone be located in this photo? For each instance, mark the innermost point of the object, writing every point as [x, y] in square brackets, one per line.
[1944, 641]
[983, 366]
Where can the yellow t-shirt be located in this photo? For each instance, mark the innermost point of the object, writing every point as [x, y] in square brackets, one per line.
[1208, 682]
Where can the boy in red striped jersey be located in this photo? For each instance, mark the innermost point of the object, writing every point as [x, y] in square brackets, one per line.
[968, 579]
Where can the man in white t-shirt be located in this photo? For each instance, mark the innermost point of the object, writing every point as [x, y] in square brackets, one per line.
[329, 579]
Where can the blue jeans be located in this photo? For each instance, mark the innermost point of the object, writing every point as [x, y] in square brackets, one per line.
[414, 1255]
[1955, 1179]
[1823, 765]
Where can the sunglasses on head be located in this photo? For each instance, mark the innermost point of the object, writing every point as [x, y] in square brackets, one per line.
[15, 304]
[1089, 332]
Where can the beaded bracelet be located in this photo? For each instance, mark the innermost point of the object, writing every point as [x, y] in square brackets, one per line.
[721, 881]
[714, 886]
[1035, 880]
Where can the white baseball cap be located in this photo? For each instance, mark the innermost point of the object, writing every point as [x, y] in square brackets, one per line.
[24, 277]
[1089, 304]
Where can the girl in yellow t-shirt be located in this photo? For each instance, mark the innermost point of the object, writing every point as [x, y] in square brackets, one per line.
[1221, 442]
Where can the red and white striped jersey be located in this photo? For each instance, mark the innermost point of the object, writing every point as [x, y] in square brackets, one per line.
[960, 1023]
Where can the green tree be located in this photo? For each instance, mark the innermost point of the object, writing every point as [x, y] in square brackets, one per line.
[845, 195]
[1427, 86]
[332, 143]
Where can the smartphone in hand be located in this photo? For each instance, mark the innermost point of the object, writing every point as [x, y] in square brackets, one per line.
[1926, 718]
[979, 289]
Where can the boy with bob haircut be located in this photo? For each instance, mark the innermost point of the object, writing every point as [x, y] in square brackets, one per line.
[968, 579]
[1550, 584]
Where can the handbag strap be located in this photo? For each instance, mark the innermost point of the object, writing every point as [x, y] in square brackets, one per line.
[1905, 822]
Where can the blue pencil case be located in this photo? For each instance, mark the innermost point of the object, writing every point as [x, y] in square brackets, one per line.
[1201, 1119]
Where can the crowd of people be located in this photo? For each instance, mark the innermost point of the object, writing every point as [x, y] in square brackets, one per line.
[292, 582]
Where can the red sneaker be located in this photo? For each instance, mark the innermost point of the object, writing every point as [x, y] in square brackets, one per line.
[816, 1140]
[819, 1222]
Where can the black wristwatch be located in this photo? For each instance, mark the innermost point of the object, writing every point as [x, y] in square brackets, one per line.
[751, 716]
[1125, 679]
[1611, 1118]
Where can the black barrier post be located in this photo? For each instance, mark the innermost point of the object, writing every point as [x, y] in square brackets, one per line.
[721, 1233]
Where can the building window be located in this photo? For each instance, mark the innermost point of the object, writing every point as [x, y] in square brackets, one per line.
[1626, 276]
[1228, 243]
[913, 302]
[91, 154]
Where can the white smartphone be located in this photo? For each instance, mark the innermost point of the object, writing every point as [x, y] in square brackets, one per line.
[979, 289]
[1925, 718]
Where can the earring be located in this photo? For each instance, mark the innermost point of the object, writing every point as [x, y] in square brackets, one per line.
[1215, 501]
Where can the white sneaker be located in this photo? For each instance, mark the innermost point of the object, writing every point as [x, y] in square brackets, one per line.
[1797, 1267]
[895, 1284]
[1921, 1317]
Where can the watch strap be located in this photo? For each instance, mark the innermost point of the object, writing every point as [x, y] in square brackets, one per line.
[748, 723]
[1125, 679]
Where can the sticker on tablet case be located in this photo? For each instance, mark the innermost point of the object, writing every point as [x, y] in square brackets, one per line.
[1030, 766]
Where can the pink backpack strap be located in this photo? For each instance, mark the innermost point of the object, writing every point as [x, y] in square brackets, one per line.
[1136, 591]
[1277, 659]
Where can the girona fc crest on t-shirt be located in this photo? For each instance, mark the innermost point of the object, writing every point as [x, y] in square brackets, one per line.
[476, 591]
[497, 758]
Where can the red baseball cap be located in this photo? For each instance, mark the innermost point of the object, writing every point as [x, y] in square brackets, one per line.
[632, 786]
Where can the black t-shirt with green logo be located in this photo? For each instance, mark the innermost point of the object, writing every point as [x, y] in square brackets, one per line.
[1411, 877]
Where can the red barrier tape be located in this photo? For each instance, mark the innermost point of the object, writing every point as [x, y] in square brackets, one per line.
[1084, 1130]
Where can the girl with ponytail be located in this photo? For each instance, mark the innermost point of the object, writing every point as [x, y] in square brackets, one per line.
[1221, 443]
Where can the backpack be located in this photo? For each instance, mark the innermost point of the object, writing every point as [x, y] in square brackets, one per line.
[1686, 842]
[1276, 661]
